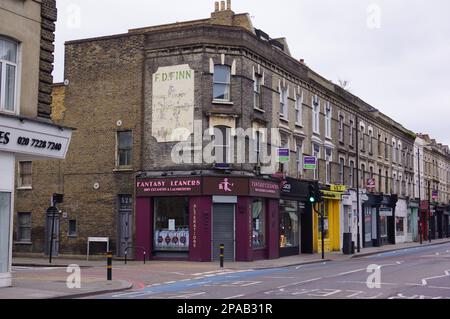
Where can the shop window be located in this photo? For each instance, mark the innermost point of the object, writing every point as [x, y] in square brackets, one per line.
[5, 213]
[24, 227]
[383, 226]
[8, 75]
[400, 226]
[289, 224]
[325, 225]
[72, 228]
[25, 174]
[171, 227]
[259, 224]
[124, 149]
[222, 83]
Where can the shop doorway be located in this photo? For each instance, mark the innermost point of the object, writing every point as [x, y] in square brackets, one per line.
[224, 231]
[125, 224]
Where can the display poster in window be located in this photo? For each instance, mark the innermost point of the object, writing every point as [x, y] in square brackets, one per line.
[168, 240]
[171, 224]
[173, 103]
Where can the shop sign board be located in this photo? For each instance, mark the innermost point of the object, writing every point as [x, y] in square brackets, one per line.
[385, 211]
[435, 195]
[332, 195]
[33, 139]
[338, 188]
[371, 184]
[264, 188]
[169, 187]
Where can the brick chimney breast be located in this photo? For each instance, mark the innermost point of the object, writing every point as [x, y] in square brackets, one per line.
[216, 6]
[222, 5]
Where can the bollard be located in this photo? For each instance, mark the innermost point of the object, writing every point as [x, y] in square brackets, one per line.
[222, 251]
[109, 265]
[126, 253]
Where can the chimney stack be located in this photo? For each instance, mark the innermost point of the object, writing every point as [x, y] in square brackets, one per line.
[228, 4]
[216, 6]
[222, 5]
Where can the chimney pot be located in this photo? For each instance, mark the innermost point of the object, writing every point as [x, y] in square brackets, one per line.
[302, 61]
[222, 5]
[216, 6]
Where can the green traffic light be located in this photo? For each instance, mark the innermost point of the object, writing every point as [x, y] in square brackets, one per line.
[312, 199]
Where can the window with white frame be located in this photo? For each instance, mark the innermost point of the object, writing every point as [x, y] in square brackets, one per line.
[352, 174]
[370, 140]
[299, 109]
[24, 227]
[328, 116]
[222, 144]
[328, 160]
[222, 83]
[285, 144]
[299, 157]
[258, 145]
[351, 133]
[316, 154]
[124, 149]
[400, 151]
[394, 151]
[341, 170]
[25, 174]
[341, 127]
[284, 102]
[257, 80]
[362, 138]
[8, 74]
[315, 114]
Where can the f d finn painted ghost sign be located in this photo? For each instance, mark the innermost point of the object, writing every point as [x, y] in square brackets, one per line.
[173, 103]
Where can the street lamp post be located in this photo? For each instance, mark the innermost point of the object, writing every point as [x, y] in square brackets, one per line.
[358, 239]
[420, 195]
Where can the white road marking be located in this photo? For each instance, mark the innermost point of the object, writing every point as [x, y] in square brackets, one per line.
[355, 293]
[365, 283]
[298, 267]
[348, 272]
[132, 294]
[299, 283]
[169, 282]
[425, 280]
[252, 284]
[234, 297]
[189, 295]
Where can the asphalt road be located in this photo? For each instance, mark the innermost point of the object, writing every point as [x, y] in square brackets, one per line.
[416, 273]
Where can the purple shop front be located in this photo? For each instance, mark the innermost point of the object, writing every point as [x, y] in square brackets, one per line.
[187, 218]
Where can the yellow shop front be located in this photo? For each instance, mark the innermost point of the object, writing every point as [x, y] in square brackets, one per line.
[331, 210]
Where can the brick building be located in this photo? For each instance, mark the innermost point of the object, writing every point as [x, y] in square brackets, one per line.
[189, 87]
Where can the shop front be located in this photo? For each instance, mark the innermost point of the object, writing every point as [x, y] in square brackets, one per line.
[424, 220]
[22, 139]
[379, 226]
[295, 218]
[401, 215]
[188, 218]
[441, 222]
[331, 225]
[413, 223]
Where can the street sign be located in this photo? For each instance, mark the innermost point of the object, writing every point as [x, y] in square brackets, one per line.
[283, 155]
[310, 162]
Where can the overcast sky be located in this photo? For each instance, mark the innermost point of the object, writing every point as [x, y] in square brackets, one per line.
[394, 53]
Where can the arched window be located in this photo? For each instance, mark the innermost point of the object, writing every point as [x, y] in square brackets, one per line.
[8, 74]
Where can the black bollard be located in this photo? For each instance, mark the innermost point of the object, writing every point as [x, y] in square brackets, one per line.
[109, 265]
[222, 251]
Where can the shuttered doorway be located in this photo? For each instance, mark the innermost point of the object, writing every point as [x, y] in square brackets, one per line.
[223, 231]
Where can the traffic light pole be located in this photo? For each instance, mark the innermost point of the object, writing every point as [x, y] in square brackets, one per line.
[358, 239]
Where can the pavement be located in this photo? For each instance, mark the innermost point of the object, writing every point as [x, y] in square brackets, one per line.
[36, 278]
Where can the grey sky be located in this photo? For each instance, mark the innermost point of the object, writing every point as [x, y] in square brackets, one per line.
[401, 68]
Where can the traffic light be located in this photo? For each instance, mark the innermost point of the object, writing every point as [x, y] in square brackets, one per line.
[315, 194]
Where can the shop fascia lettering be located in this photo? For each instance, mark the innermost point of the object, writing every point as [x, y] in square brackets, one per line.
[174, 183]
[35, 139]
